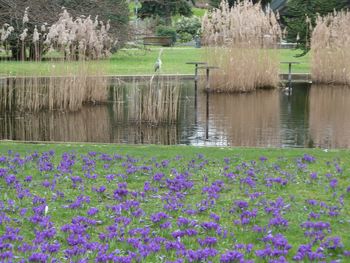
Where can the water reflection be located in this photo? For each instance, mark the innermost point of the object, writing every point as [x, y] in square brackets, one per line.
[91, 124]
[294, 113]
[247, 119]
[329, 116]
[308, 117]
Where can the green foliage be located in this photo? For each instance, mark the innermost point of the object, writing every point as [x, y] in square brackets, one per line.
[187, 28]
[301, 16]
[166, 31]
[164, 9]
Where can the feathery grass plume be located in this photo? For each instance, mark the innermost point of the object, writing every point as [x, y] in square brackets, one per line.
[82, 38]
[239, 40]
[25, 19]
[5, 32]
[68, 84]
[330, 49]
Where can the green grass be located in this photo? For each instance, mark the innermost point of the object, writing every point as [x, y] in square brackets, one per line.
[139, 61]
[290, 55]
[203, 170]
[198, 11]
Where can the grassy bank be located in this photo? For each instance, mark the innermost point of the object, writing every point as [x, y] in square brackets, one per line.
[151, 203]
[134, 62]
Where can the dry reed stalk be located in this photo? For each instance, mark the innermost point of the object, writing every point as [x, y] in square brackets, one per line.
[250, 114]
[239, 40]
[329, 120]
[119, 103]
[330, 49]
[68, 87]
[154, 102]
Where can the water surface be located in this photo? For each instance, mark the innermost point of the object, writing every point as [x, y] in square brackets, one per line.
[309, 116]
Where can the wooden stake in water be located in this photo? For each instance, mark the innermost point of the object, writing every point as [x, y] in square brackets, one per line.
[207, 68]
[290, 72]
[196, 79]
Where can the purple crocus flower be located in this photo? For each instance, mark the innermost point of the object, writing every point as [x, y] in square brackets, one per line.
[308, 158]
[231, 256]
[92, 211]
[313, 176]
[38, 257]
[333, 183]
[157, 217]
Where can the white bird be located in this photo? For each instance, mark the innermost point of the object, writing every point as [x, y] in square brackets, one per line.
[158, 64]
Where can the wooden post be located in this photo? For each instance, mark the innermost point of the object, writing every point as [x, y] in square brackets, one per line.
[290, 72]
[196, 63]
[207, 69]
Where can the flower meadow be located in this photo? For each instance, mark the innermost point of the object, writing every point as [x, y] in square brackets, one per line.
[114, 206]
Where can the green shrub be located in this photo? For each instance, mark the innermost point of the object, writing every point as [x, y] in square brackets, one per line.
[185, 37]
[187, 28]
[166, 31]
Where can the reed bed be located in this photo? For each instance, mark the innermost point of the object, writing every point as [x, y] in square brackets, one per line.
[239, 41]
[330, 49]
[68, 87]
[153, 102]
[329, 116]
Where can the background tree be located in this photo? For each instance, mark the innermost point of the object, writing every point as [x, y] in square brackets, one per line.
[216, 3]
[300, 18]
[164, 9]
[43, 12]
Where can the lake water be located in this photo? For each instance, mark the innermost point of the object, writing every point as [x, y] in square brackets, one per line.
[310, 116]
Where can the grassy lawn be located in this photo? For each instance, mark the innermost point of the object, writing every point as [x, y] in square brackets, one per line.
[135, 61]
[190, 204]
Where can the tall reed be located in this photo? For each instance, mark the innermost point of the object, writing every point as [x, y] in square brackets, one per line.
[67, 87]
[330, 49]
[154, 102]
[239, 40]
